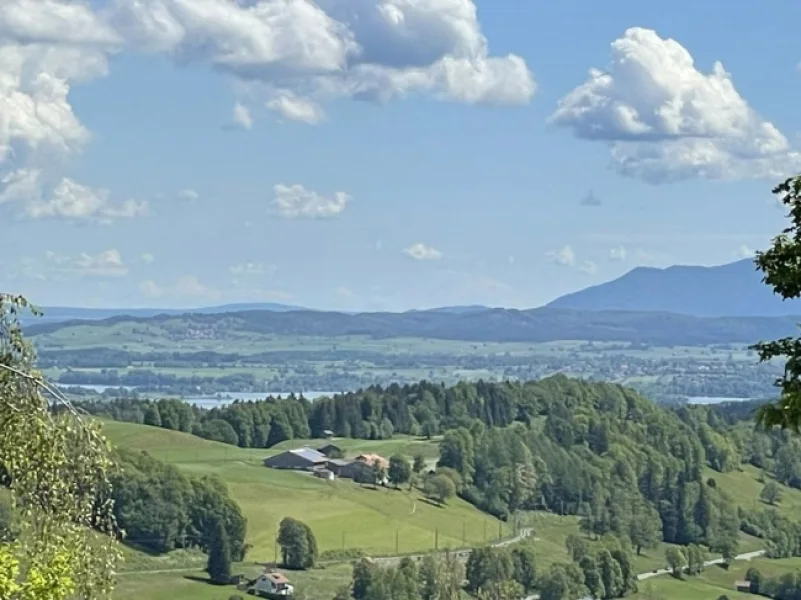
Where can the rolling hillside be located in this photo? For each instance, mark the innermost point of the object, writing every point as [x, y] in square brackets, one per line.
[491, 325]
[341, 513]
[731, 290]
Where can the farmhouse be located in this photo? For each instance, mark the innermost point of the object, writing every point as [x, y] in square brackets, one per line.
[271, 584]
[299, 459]
[371, 459]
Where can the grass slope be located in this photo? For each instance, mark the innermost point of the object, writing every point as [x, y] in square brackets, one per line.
[341, 513]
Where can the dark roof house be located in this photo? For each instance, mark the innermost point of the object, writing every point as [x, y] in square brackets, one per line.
[331, 450]
[300, 458]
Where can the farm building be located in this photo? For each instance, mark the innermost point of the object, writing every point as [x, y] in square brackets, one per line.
[371, 459]
[331, 451]
[742, 586]
[345, 468]
[324, 474]
[299, 459]
[270, 585]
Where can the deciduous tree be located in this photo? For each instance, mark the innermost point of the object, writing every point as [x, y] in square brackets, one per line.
[57, 464]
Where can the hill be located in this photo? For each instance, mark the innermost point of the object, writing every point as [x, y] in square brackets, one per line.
[341, 513]
[57, 314]
[731, 290]
[490, 325]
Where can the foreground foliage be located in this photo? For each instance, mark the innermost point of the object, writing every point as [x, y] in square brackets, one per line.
[57, 467]
[781, 266]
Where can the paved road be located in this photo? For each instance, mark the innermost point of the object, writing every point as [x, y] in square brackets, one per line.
[715, 561]
[460, 554]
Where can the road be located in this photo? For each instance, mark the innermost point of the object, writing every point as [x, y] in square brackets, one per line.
[658, 572]
[714, 561]
[460, 554]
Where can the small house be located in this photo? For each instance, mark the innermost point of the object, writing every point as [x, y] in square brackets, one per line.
[742, 586]
[270, 585]
[372, 459]
[328, 434]
[331, 451]
[301, 459]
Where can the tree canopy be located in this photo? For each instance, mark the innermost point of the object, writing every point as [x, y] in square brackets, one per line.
[781, 267]
[56, 465]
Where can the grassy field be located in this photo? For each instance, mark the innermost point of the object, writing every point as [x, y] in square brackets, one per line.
[713, 582]
[138, 337]
[345, 515]
[341, 513]
[316, 584]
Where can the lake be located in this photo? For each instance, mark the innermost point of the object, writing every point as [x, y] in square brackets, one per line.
[211, 401]
[715, 400]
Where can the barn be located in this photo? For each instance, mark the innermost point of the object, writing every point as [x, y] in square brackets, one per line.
[301, 459]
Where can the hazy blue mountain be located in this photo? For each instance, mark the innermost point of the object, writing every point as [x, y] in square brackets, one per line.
[731, 290]
[455, 310]
[55, 314]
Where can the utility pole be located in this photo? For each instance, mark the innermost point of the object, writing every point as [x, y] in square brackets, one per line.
[397, 543]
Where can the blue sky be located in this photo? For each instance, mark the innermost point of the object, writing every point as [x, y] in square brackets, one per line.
[384, 155]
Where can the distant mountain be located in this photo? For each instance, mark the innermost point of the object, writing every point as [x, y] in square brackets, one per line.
[731, 290]
[55, 314]
[455, 310]
[491, 325]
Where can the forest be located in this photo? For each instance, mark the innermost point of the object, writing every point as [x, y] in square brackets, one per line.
[626, 466]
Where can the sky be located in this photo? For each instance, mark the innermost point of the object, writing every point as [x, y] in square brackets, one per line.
[385, 154]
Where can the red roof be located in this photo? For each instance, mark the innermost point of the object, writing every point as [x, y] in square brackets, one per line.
[277, 578]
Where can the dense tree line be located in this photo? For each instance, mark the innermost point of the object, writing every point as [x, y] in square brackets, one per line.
[435, 578]
[161, 509]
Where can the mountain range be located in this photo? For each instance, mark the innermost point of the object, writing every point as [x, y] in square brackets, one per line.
[732, 290]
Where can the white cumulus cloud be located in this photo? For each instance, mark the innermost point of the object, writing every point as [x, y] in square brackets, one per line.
[300, 53]
[293, 108]
[28, 195]
[564, 257]
[188, 195]
[421, 251]
[61, 267]
[745, 251]
[617, 254]
[296, 202]
[665, 120]
[242, 117]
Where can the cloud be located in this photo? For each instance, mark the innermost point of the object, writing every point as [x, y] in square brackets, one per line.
[296, 202]
[188, 195]
[664, 120]
[59, 267]
[299, 53]
[421, 251]
[242, 117]
[588, 267]
[27, 193]
[591, 200]
[617, 254]
[345, 293]
[147, 258]
[187, 287]
[745, 251]
[250, 268]
[294, 108]
[565, 257]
